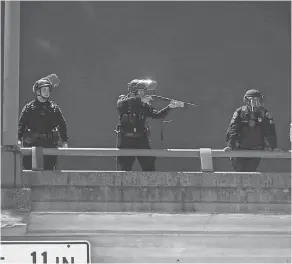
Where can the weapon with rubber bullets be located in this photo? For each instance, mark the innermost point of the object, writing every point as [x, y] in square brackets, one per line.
[186, 104]
[169, 99]
[150, 87]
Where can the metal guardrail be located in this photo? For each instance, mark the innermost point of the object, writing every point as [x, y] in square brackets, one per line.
[174, 153]
[206, 155]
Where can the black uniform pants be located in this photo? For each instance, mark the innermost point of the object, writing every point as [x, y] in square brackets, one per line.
[245, 164]
[50, 162]
[126, 163]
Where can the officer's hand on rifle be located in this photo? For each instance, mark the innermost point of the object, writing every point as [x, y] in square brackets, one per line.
[175, 104]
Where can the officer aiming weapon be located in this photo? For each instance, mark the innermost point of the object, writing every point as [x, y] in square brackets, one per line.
[154, 96]
[149, 87]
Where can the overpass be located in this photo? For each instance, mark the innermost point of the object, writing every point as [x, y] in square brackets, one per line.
[202, 216]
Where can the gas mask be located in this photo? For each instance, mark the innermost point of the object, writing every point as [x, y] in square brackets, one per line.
[254, 104]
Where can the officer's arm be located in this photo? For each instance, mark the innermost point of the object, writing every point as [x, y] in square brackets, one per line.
[270, 131]
[233, 129]
[151, 112]
[62, 125]
[22, 122]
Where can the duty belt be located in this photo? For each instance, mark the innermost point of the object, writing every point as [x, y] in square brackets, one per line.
[44, 136]
[48, 136]
[132, 134]
[252, 148]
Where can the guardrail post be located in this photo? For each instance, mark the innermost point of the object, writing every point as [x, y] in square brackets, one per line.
[17, 166]
[206, 159]
[37, 159]
[18, 169]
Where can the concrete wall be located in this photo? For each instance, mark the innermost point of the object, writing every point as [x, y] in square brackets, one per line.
[16, 198]
[167, 192]
[209, 53]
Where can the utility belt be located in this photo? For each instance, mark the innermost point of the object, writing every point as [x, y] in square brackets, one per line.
[251, 148]
[32, 137]
[240, 147]
[132, 133]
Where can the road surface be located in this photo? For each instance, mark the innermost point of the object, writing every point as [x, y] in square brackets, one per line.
[168, 238]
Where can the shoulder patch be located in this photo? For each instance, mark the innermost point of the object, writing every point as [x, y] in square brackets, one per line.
[243, 111]
[121, 97]
[30, 103]
[244, 108]
[235, 115]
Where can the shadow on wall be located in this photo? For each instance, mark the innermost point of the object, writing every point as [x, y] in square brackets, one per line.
[206, 52]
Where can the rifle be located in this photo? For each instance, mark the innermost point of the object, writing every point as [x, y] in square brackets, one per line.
[169, 99]
[153, 96]
[150, 86]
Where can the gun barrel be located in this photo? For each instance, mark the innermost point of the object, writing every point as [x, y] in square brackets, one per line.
[169, 99]
[161, 97]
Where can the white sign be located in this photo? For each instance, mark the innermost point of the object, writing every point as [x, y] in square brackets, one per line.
[45, 252]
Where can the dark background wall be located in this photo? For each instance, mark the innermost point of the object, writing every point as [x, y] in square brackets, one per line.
[206, 52]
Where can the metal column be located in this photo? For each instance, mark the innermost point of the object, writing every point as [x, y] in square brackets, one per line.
[10, 90]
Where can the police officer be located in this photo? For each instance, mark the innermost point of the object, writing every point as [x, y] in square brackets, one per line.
[251, 128]
[41, 123]
[132, 130]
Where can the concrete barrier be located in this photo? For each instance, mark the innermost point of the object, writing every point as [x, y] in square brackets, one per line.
[16, 198]
[169, 192]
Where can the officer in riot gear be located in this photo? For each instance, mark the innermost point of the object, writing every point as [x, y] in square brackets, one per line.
[41, 123]
[132, 129]
[251, 128]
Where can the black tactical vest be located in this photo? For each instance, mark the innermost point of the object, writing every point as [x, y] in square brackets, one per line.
[251, 129]
[132, 116]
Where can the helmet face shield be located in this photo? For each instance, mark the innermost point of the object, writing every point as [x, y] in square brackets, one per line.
[254, 103]
[45, 92]
[141, 85]
[148, 84]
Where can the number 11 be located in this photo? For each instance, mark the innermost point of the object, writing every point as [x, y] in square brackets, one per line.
[44, 254]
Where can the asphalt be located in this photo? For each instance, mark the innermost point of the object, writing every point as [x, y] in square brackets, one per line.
[160, 238]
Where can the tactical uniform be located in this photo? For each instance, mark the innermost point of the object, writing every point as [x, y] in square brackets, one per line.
[251, 130]
[133, 132]
[41, 124]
